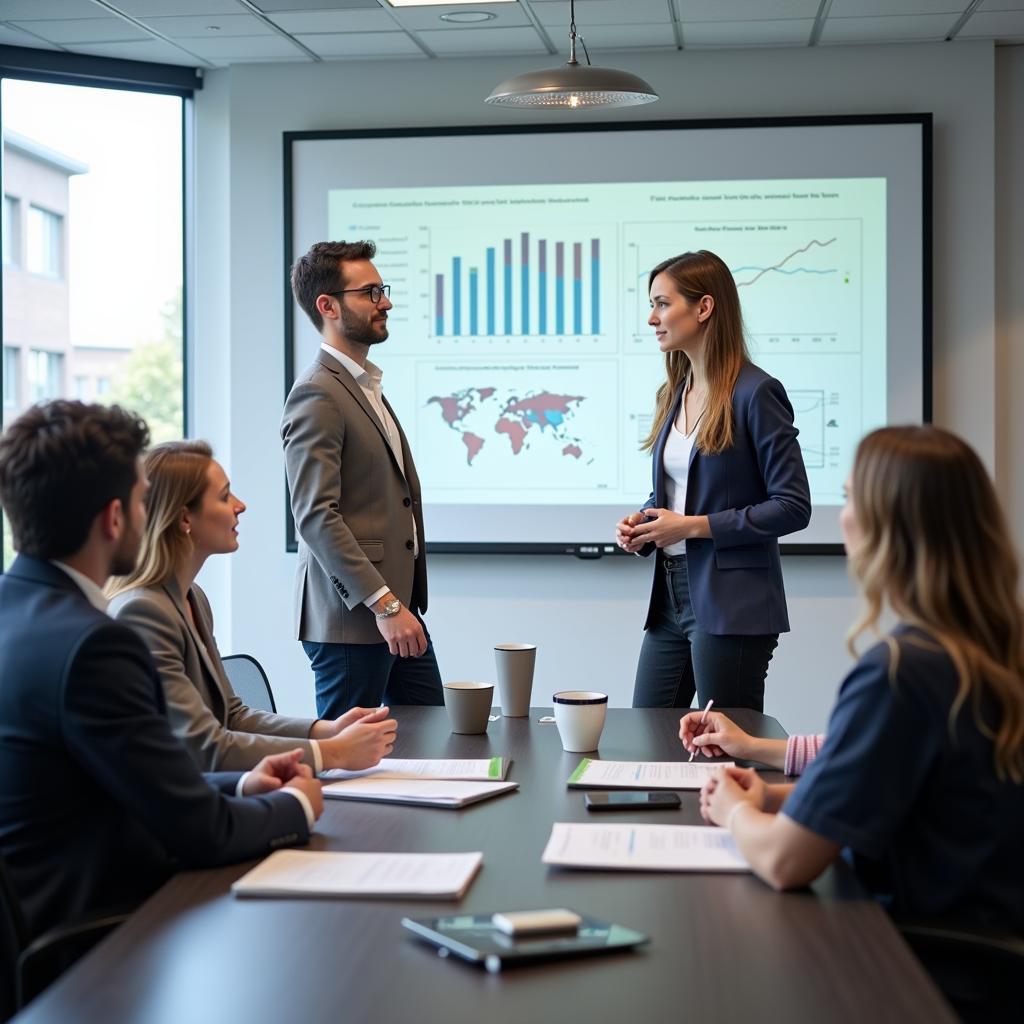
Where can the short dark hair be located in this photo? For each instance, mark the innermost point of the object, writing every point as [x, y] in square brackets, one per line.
[319, 273]
[61, 464]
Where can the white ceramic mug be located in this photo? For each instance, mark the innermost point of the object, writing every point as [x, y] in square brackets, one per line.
[579, 715]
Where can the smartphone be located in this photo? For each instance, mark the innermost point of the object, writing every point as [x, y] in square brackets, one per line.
[631, 801]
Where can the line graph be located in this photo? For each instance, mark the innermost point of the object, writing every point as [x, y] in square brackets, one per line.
[780, 266]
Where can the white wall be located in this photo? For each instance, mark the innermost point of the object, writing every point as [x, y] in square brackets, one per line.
[585, 615]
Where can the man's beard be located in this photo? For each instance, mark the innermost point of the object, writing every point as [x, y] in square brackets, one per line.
[126, 557]
[361, 330]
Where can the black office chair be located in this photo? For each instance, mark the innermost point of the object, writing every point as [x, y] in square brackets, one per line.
[250, 682]
[979, 971]
[29, 965]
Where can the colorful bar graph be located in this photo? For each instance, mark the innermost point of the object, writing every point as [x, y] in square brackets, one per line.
[577, 288]
[472, 301]
[490, 290]
[525, 286]
[542, 287]
[508, 285]
[559, 287]
[456, 295]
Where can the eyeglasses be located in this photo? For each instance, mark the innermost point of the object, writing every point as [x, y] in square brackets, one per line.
[376, 292]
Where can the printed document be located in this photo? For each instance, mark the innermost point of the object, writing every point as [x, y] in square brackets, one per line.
[593, 774]
[488, 769]
[313, 873]
[643, 848]
[420, 792]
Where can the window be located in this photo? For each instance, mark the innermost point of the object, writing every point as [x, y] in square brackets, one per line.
[93, 247]
[12, 231]
[12, 376]
[44, 242]
[45, 375]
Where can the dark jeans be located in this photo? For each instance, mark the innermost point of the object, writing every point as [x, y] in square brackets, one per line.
[365, 675]
[678, 658]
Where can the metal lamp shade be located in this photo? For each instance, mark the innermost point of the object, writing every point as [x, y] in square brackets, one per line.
[573, 85]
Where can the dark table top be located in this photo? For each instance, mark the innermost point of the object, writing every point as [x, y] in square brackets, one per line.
[723, 947]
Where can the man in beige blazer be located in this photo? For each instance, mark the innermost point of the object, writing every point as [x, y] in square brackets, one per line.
[361, 585]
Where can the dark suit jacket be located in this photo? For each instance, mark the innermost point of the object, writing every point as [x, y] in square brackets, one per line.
[752, 494]
[353, 507]
[99, 802]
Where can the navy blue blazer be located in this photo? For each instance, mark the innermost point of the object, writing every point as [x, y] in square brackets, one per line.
[99, 801]
[753, 493]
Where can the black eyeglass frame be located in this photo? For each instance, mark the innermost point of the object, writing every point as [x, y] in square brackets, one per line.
[383, 290]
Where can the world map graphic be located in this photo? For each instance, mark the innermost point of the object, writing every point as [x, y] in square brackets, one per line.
[477, 414]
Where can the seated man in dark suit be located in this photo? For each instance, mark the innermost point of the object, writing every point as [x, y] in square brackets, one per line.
[99, 802]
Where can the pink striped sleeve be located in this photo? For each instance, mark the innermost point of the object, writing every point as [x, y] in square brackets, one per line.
[800, 751]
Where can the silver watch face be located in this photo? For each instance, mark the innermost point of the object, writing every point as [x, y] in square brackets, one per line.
[392, 607]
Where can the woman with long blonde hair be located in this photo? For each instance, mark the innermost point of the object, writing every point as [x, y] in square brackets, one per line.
[729, 480]
[191, 515]
[921, 774]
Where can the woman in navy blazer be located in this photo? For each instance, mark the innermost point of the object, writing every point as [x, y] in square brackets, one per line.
[729, 480]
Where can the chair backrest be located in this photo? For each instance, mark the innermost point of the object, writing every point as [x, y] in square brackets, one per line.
[978, 971]
[250, 682]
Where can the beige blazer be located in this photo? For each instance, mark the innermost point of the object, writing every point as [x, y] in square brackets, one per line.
[220, 732]
[353, 508]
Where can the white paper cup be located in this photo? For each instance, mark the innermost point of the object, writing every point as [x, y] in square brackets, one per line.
[579, 715]
[515, 663]
[469, 705]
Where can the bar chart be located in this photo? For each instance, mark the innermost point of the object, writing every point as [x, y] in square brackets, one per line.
[523, 283]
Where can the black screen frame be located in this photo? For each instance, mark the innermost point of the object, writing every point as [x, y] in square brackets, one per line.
[600, 548]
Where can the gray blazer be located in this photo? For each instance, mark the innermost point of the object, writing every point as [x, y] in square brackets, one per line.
[220, 732]
[353, 508]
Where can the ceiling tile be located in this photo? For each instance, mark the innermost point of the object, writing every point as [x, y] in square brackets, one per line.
[157, 8]
[901, 28]
[741, 10]
[1001, 25]
[11, 36]
[618, 37]
[85, 30]
[144, 49]
[784, 32]
[471, 42]
[417, 18]
[604, 12]
[882, 8]
[44, 10]
[273, 47]
[361, 44]
[268, 6]
[1001, 5]
[209, 26]
[334, 21]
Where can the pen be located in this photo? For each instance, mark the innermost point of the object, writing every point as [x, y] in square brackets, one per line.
[702, 720]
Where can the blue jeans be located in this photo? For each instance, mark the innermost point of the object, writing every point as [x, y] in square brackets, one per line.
[678, 658]
[365, 675]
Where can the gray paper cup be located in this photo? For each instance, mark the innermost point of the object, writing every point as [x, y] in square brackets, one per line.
[468, 706]
[515, 677]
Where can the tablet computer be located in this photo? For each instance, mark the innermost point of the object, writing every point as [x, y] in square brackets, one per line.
[475, 937]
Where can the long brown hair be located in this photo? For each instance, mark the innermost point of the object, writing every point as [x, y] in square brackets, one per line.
[177, 472]
[935, 547]
[696, 274]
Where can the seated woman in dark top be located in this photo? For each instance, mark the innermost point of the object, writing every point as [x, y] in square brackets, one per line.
[921, 776]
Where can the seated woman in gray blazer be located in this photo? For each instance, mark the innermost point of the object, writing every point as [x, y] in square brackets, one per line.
[192, 514]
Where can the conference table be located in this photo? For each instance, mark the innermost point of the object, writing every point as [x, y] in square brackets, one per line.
[722, 947]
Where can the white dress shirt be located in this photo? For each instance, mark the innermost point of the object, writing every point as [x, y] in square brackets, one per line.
[676, 460]
[370, 378]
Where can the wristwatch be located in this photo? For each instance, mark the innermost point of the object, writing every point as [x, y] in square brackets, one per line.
[392, 607]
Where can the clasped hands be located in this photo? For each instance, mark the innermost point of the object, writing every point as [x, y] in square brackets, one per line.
[357, 739]
[658, 526]
[285, 771]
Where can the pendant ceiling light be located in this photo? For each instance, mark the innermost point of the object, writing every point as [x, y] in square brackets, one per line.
[574, 84]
